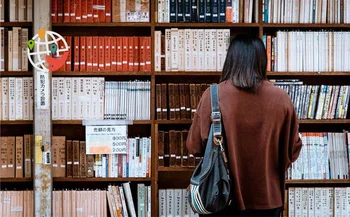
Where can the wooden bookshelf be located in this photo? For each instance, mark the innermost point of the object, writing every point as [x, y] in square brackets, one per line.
[80, 122]
[175, 169]
[16, 24]
[207, 25]
[304, 25]
[16, 73]
[17, 180]
[318, 181]
[16, 122]
[126, 24]
[103, 74]
[66, 179]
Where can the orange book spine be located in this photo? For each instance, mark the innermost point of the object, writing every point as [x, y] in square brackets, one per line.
[95, 11]
[66, 10]
[78, 11]
[131, 54]
[84, 14]
[268, 52]
[148, 54]
[72, 11]
[125, 54]
[82, 53]
[76, 54]
[89, 53]
[114, 53]
[108, 9]
[136, 54]
[102, 12]
[69, 58]
[54, 11]
[59, 11]
[95, 53]
[108, 53]
[90, 11]
[101, 53]
[119, 53]
[142, 54]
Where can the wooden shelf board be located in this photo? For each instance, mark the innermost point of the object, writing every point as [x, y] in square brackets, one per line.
[175, 169]
[308, 73]
[16, 180]
[66, 179]
[16, 73]
[61, 73]
[120, 24]
[187, 73]
[305, 25]
[16, 24]
[173, 121]
[15, 122]
[79, 122]
[319, 181]
[190, 24]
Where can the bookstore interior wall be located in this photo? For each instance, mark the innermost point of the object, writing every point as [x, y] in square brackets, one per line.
[150, 61]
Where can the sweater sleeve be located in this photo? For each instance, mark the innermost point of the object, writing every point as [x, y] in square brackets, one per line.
[198, 133]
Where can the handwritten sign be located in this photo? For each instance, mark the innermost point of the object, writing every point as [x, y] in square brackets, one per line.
[106, 139]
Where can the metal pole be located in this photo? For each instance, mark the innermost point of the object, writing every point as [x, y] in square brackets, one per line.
[42, 177]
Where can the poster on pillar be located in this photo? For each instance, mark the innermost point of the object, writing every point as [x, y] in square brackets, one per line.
[106, 139]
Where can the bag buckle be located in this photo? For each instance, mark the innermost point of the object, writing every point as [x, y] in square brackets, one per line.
[215, 117]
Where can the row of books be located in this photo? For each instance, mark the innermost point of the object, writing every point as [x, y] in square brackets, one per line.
[318, 101]
[69, 159]
[16, 203]
[308, 51]
[16, 98]
[128, 100]
[306, 11]
[209, 11]
[106, 11]
[17, 11]
[319, 201]
[191, 49]
[172, 150]
[178, 101]
[16, 156]
[13, 55]
[323, 156]
[96, 53]
[174, 202]
[120, 200]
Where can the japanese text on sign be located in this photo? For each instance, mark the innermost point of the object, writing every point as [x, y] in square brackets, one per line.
[42, 99]
[106, 139]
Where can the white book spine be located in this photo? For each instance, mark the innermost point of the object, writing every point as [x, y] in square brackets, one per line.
[207, 48]
[61, 98]
[122, 197]
[94, 97]
[181, 49]
[129, 199]
[157, 50]
[188, 50]
[15, 48]
[19, 98]
[12, 12]
[68, 99]
[100, 111]
[81, 102]
[213, 41]
[54, 98]
[88, 96]
[178, 202]
[75, 98]
[168, 50]
[162, 203]
[24, 55]
[174, 34]
[194, 57]
[26, 98]
[5, 99]
[29, 10]
[2, 48]
[31, 98]
[10, 50]
[170, 212]
[12, 99]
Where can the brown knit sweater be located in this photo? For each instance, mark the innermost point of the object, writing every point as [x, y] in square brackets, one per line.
[262, 140]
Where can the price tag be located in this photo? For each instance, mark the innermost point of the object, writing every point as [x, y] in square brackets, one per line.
[106, 139]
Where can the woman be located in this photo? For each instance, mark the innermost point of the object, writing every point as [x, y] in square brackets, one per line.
[261, 129]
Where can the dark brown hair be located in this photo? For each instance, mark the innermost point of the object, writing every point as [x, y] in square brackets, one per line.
[245, 64]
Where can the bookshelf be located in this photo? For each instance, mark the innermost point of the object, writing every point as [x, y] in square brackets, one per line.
[169, 177]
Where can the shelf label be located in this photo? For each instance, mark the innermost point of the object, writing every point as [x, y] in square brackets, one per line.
[106, 139]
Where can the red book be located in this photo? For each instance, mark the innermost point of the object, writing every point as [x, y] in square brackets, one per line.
[136, 54]
[90, 11]
[66, 10]
[82, 53]
[83, 6]
[69, 58]
[54, 11]
[102, 11]
[59, 11]
[101, 54]
[131, 54]
[142, 54]
[114, 54]
[125, 54]
[119, 54]
[108, 53]
[61, 46]
[72, 11]
[89, 53]
[76, 54]
[78, 11]
[96, 12]
[148, 54]
[108, 8]
[95, 53]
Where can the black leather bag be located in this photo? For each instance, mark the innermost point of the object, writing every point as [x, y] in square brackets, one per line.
[210, 184]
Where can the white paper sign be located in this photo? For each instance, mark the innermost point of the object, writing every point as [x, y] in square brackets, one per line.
[42, 90]
[106, 139]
